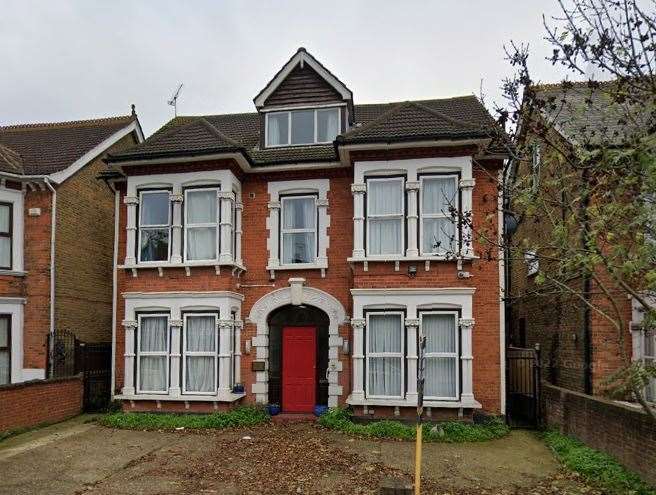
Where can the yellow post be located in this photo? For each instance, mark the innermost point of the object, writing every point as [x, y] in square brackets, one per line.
[418, 458]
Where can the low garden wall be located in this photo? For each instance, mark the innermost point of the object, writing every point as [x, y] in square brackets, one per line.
[622, 431]
[27, 404]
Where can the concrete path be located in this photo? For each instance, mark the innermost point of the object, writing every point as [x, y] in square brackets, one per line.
[77, 457]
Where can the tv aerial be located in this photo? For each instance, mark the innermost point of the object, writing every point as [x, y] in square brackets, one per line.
[174, 100]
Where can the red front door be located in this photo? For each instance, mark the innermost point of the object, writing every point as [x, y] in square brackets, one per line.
[299, 368]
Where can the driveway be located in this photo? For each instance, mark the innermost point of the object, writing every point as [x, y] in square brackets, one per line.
[79, 458]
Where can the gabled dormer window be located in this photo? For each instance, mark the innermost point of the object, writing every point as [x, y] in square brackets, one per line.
[299, 127]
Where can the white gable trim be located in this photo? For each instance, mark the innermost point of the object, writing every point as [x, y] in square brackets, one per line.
[302, 57]
[77, 165]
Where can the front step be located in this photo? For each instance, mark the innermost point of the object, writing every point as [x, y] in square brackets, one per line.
[293, 418]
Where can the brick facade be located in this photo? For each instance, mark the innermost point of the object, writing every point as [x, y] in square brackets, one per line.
[34, 403]
[340, 277]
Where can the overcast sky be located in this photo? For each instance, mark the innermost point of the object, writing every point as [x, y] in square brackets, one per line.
[68, 60]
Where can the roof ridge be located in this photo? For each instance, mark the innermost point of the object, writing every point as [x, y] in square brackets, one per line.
[448, 98]
[381, 118]
[66, 124]
[218, 133]
[559, 85]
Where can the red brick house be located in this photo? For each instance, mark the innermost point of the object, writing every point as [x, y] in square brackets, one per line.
[56, 235]
[293, 254]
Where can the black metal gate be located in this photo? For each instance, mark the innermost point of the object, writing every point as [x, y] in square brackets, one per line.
[523, 387]
[71, 356]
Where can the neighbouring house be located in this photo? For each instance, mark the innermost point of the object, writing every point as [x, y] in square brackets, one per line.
[56, 237]
[292, 255]
[580, 348]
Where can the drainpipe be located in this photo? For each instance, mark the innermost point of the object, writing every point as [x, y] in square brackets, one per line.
[53, 229]
[114, 285]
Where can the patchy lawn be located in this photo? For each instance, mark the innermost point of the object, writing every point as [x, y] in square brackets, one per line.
[276, 459]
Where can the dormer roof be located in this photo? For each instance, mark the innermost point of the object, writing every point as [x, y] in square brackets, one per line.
[303, 79]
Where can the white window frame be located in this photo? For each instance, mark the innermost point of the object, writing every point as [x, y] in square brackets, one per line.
[532, 263]
[423, 215]
[186, 354]
[536, 162]
[166, 353]
[400, 216]
[289, 126]
[455, 354]
[153, 227]
[216, 225]
[652, 357]
[283, 230]
[370, 355]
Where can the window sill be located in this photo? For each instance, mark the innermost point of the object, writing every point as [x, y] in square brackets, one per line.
[221, 397]
[13, 273]
[452, 404]
[161, 265]
[323, 266]
[395, 258]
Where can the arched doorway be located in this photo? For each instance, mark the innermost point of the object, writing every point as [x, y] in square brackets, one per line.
[298, 357]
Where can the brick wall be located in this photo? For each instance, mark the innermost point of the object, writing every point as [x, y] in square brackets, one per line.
[42, 401]
[624, 432]
[340, 275]
[84, 252]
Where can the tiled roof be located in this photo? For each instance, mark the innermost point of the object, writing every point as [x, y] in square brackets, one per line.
[41, 149]
[451, 118]
[588, 114]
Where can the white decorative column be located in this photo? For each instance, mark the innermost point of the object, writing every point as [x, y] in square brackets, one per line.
[413, 216]
[226, 199]
[176, 339]
[176, 198]
[239, 325]
[324, 220]
[131, 228]
[128, 377]
[358, 191]
[466, 357]
[466, 190]
[239, 206]
[358, 358]
[411, 327]
[273, 242]
[225, 354]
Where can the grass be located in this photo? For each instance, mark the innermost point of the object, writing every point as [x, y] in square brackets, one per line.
[596, 467]
[241, 416]
[447, 432]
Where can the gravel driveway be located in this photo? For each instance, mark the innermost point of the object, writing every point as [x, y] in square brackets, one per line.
[80, 458]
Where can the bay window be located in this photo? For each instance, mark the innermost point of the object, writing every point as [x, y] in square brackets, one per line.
[298, 127]
[201, 230]
[385, 355]
[439, 206]
[200, 351]
[5, 349]
[441, 371]
[385, 216]
[154, 226]
[153, 353]
[298, 229]
[6, 231]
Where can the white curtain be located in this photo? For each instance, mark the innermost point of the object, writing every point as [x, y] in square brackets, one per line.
[5, 251]
[327, 124]
[440, 371]
[201, 243]
[152, 368]
[298, 248]
[277, 129]
[200, 338]
[384, 373]
[385, 233]
[298, 213]
[439, 195]
[201, 207]
[5, 352]
[155, 208]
